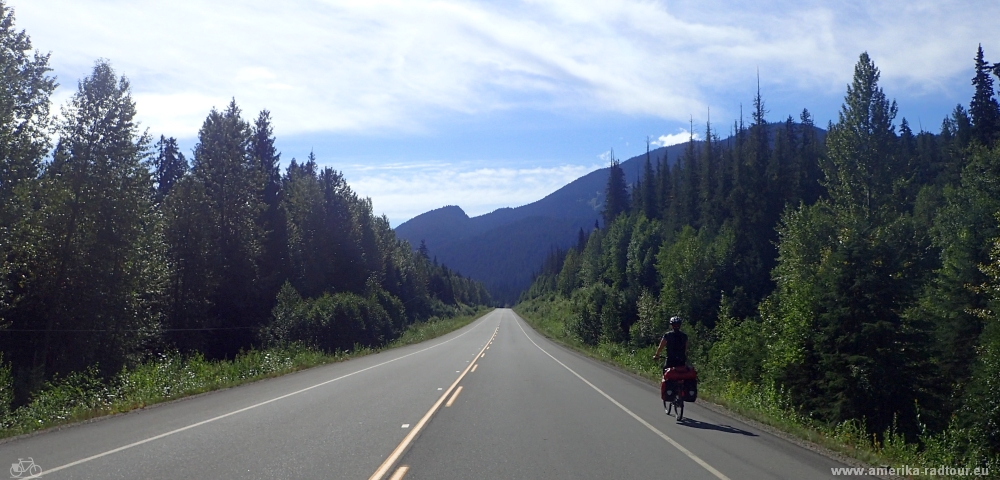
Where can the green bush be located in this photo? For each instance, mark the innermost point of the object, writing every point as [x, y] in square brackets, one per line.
[739, 350]
[335, 322]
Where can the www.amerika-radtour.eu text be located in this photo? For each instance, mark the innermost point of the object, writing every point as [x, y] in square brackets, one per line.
[906, 471]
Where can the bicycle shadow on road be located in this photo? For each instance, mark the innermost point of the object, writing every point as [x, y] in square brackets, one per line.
[687, 422]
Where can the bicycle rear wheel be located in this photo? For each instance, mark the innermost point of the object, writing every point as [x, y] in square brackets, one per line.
[679, 407]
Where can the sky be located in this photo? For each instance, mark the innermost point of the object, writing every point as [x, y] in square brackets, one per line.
[485, 105]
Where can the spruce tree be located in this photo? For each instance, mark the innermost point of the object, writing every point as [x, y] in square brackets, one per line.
[984, 109]
[647, 193]
[809, 154]
[169, 164]
[223, 164]
[664, 188]
[859, 355]
[862, 153]
[271, 222]
[615, 194]
[707, 164]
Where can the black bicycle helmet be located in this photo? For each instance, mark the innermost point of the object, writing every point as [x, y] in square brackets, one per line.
[675, 320]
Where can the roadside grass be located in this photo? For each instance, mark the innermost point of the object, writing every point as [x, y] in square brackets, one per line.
[766, 405]
[84, 395]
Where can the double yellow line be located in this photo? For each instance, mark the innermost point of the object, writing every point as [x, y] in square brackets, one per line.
[410, 437]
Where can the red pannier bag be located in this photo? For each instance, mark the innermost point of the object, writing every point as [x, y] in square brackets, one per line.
[680, 373]
[689, 379]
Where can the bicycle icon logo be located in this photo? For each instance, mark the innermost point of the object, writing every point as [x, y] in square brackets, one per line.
[25, 466]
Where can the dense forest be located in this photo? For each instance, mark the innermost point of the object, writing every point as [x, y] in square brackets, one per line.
[855, 274]
[114, 248]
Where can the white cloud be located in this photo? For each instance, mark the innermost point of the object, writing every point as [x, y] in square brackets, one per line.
[395, 65]
[402, 192]
[669, 139]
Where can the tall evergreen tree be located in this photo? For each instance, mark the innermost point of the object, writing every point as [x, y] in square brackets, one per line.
[847, 306]
[707, 214]
[169, 164]
[223, 164]
[862, 166]
[616, 193]
[646, 196]
[271, 222]
[810, 153]
[664, 188]
[687, 181]
[984, 109]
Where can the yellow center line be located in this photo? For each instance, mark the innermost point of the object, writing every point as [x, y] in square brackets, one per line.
[244, 409]
[410, 437]
[400, 473]
[453, 397]
[474, 367]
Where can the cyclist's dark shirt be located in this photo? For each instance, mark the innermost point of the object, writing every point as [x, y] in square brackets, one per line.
[676, 348]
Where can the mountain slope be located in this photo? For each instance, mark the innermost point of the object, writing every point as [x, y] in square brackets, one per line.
[502, 248]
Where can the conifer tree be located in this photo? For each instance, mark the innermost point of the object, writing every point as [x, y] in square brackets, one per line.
[783, 170]
[847, 305]
[862, 166]
[707, 176]
[664, 188]
[616, 193]
[809, 154]
[169, 164]
[271, 222]
[905, 185]
[223, 164]
[984, 109]
[687, 186]
[647, 194]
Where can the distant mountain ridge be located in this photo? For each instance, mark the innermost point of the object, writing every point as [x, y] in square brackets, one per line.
[505, 247]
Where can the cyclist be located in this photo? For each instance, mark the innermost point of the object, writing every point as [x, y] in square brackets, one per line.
[676, 343]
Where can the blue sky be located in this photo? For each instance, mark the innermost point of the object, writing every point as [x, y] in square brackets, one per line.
[492, 104]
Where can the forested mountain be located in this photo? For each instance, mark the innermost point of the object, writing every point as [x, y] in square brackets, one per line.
[113, 248]
[852, 281]
[480, 247]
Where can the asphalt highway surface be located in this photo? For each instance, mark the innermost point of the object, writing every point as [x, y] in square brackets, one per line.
[494, 399]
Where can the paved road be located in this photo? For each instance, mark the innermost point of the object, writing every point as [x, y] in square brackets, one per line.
[492, 400]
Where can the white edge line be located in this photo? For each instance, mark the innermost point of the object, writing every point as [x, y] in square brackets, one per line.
[220, 417]
[673, 442]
